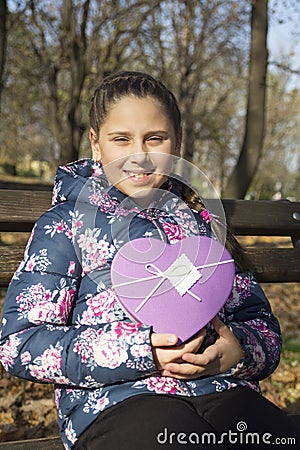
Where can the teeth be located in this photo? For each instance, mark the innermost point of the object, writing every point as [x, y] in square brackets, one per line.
[137, 175]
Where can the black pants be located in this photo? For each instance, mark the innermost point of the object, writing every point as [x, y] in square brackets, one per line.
[235, 419]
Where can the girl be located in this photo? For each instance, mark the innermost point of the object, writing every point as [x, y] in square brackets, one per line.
[118, 384]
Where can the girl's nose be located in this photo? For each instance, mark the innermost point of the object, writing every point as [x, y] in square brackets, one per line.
[139, 157]
[139, 151]
[139, 146]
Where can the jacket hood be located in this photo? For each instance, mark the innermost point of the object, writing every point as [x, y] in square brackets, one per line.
[72, 179]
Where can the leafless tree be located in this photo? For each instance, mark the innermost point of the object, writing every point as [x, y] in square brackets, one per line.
[252, 147]
[3, 41]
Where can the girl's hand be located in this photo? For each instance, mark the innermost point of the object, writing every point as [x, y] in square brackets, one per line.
[217, 358]
[165, 351]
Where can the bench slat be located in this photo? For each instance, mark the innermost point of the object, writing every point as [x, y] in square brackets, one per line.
[271, 265]
[276, 265]
[19, 210]
[263, 217]
[246, 217]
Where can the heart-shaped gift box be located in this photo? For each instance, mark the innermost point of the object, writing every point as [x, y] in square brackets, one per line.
[175, 288]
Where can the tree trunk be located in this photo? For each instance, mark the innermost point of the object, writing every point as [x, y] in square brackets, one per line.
[3, 40]
[251, 150]
[75, 44]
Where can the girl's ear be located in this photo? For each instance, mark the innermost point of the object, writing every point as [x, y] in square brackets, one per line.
[95, 145]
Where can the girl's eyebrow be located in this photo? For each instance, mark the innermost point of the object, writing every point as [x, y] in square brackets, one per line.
[118, 132]
[148, 132]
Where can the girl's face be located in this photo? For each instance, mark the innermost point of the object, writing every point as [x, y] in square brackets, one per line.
[134, 144]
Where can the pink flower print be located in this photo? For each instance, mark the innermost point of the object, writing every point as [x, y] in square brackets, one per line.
[243, 285]
[101, 404]
[88, 318]
[42, 312]
[35, 296]
[104, 201]
[125, 328]
[47, 366]
[108, 352]
[30, 265]
[25, 358]
[70, 234]
[140, 351]
[37, 290]
[174, 231]
[102, 304]
[52, 360]
[96, 198]
[37, 372]
[40, 308]
[83, 344]
[94, 252]
[140, 337]
[56, 227]
[64, 305]
[206, 216]
[60, 227]
[97, 170]
[76, 223]
[71, 268]
[70, 432]
[163, 385]
[55, 192]
[57, 397]
[9, 351]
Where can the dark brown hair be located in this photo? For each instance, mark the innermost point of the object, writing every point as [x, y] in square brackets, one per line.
[141, 85]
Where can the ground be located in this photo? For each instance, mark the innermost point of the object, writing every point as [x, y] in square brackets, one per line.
[27, 409]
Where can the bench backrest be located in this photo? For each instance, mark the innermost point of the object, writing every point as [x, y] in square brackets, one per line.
[19, 210]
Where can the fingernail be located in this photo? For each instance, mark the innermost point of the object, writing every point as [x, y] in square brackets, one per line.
[172, 340]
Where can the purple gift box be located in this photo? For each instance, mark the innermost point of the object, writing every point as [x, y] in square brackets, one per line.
[175, 288]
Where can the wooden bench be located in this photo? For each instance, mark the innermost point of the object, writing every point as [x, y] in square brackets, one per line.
[19, 209]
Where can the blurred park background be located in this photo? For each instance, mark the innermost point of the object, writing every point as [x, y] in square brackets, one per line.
[233, 65]
[235, 69]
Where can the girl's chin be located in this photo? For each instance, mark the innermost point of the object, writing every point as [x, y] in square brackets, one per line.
[141, 196]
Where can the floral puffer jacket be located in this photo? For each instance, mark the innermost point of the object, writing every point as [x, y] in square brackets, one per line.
[63, 324]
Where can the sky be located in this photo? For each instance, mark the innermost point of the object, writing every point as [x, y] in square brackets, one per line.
[284, 38]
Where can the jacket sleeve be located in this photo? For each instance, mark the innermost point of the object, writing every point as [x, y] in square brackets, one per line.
[249, 315]
[39, 343]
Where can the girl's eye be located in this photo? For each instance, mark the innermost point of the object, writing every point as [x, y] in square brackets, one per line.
[155, 138]
[121, 139]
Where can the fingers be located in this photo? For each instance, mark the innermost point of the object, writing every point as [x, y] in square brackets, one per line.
[194, 365]
[220, 327]
[170, 339]
[204, 359]
[163, 339]
[189, 371]
[182, 371]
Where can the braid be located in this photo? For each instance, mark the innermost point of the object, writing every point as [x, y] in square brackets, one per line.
[194, 201]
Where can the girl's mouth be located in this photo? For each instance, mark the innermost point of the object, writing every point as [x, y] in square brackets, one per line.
[139, 176]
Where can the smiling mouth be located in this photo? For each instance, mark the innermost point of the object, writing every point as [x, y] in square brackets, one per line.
[138, 176]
